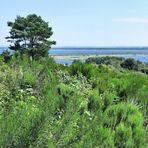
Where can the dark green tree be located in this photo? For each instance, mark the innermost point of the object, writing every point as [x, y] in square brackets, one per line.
[30, 35]
[130, 64]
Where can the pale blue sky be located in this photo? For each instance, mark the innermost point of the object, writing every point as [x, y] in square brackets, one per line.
[84, 22]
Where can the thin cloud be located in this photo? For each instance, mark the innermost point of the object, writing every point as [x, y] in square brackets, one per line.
[143, 21]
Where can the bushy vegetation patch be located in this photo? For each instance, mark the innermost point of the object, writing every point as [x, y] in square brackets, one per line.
[44, 104]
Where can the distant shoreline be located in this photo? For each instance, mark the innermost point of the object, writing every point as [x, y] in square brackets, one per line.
[99, 48]
[81, 57]
[91, 48]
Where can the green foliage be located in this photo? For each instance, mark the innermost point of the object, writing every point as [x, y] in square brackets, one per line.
[94, 101]
[5, 98]
[43, 104]
[115, 61]
[29, 78]
[100, 103]
[127, 122]
[18, 127]
[30, 35]
[130, 64]
[123, 136]
[145, 70]
[119, 63]
[6, 56]
[87, 70]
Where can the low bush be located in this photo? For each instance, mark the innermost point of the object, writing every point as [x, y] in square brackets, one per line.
[130, 64]
[29, 78]
[127, 122]
[43, 104]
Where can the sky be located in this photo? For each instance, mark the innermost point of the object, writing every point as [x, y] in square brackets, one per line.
[93, 23]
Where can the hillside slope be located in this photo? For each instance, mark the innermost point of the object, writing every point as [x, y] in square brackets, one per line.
[44, 104]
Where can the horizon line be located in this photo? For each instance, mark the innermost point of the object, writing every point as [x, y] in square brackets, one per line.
[100, 47]
[140, 46]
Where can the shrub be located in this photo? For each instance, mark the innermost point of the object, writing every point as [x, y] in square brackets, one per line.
[123, 136]
[130, 64]
[126, 120]
[82, 105]
[29, 78]
[18, 127]
[145, 70]
[87, 70]
[94, 101]
[6, 56]
[5, 97]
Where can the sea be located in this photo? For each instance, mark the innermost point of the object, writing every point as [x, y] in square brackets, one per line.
[137, 53]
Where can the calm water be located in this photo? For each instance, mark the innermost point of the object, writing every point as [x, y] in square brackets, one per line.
[140, 54]
[97, 51]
